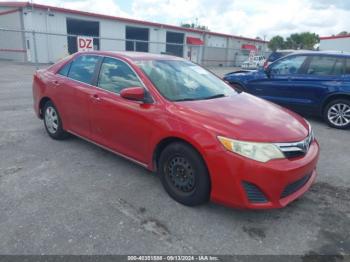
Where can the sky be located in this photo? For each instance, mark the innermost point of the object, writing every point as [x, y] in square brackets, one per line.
[249, 18]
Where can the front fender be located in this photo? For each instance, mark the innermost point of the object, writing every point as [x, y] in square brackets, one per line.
[202, 140]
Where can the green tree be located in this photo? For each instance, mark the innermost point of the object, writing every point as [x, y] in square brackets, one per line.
[304, 40]
[344, 33]
[309, 40]
[194, 26]
[293, 42]
[276, 42]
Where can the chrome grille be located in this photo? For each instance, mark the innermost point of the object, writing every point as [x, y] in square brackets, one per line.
[296, 149]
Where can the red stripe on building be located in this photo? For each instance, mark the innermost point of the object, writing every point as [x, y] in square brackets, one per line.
[13, 50]
[334, 37]
[194, 41]
[9, 11]
[128, 20]
[249, 47]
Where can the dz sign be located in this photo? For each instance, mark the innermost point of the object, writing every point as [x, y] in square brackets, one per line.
[85, 43]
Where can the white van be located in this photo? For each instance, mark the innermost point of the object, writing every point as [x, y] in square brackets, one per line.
[254, 63]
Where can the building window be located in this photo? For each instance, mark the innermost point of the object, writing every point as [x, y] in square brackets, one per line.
[174, 43]
[83, 28]
[141, 35]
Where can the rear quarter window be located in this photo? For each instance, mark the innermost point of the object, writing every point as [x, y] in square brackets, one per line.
[64, 70]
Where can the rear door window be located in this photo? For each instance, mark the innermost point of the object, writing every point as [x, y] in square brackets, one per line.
[326, 65]
[83, 68]
[338, 68]
[347, 69]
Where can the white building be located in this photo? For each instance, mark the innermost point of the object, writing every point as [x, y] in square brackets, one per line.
[55, 32]
[335, 43]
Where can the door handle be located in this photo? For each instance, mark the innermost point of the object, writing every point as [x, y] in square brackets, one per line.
[56, 83]
[95, 97]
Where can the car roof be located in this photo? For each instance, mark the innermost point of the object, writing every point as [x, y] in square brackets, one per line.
[333, 53]
[134, 56]
[311, 52]
[290, 50]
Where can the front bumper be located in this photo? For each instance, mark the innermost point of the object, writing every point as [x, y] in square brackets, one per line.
[279, 181]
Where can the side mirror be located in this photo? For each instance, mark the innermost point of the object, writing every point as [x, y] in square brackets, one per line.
[133, 93]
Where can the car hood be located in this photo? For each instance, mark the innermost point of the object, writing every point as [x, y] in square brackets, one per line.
[244, 75]
[244, 117]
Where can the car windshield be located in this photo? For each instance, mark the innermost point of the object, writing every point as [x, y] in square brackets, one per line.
[179, 80]
[276, 55]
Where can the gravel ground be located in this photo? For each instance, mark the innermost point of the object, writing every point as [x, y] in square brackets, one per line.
[71, 197]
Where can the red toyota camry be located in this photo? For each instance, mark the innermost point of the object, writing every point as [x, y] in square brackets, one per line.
[205, 140]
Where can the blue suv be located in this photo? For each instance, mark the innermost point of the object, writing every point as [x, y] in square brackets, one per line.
[316, 83]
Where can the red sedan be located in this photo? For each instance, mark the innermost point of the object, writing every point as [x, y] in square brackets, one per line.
[205, 140]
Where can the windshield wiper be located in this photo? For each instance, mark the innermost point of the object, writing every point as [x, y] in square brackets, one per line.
[184, 99]
[200, 98]
[214, 96]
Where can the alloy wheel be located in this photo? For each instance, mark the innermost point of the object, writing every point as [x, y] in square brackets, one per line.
[51, 119]
[339, 114]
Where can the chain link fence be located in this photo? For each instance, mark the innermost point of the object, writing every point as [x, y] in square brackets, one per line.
[43, 47]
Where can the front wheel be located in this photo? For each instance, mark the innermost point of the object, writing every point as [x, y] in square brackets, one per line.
[184, 174]
[337, 113]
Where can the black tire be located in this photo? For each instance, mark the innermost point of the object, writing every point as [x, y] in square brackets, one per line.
[52, 122]
[184, 174]
[337, 114]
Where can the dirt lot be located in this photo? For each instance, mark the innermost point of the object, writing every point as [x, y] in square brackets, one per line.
[71, 197]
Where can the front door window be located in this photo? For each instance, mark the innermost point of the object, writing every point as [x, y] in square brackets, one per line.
[288, 66]
[116, 75]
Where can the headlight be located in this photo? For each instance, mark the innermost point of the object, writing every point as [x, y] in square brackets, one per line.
[261, 152]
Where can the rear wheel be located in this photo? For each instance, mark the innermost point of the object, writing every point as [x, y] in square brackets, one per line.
[337, 113]
[52, 122]
[183, 174]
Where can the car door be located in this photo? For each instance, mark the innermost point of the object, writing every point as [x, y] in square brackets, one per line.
[81, 77]
[122, 125]
[322, 75]
[280, 80]
[346, 78]
[64, 94]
